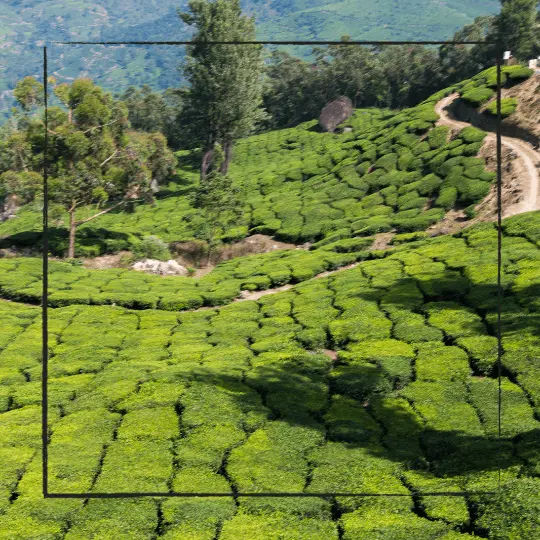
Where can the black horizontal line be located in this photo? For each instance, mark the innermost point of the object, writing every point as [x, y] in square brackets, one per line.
[273, 42]
[176, 494]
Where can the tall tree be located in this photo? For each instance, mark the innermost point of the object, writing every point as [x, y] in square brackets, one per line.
[218, 200]
[225, 100]
[516, 28]
[294, 91]
[460, 62]
[93, 158]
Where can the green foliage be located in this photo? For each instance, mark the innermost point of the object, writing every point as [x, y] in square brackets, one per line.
[513, 511]
[478, 95]
[518, 72]
[508, 106]
[154, 400]
[437, 136]
[225, 97]
[447, 197]
[471, 134]
[152, 247]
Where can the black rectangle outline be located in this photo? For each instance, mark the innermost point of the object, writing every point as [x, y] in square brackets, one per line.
[45, 265]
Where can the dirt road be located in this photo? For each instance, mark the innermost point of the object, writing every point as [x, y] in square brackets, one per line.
[527, 156]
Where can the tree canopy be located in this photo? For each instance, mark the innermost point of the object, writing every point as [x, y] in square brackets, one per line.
[224, 102]
[93, 157]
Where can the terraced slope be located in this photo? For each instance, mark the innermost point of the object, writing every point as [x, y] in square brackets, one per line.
[393, 171]
[248, 398]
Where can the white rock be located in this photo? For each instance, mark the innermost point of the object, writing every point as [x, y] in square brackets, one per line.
[168, 268]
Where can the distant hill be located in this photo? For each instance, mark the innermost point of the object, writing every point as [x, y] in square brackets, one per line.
[25, 25]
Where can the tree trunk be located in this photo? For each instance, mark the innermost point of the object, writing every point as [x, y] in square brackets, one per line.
[227, 148]
[72, 229]
[207, 159]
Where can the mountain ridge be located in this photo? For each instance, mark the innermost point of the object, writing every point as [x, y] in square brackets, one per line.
[28, 25]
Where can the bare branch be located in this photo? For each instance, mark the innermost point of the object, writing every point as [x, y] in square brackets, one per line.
[99, 213]
[109, 158]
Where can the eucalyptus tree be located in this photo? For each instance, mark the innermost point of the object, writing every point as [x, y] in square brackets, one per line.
[94, 161]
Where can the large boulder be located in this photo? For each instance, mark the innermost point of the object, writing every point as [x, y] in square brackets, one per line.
[335, 112]
[162, 268]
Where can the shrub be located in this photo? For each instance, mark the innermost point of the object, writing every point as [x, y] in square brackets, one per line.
[437, 362]
[470, 134]
[371, 325]
[152, 247]
[360, 380]
[517, 415]
[437, 136]
[470, 211]
[180, 302]
[348, 420]
[491, 77]
[408, 237]
[518, 72]
[508, 106]
[472, 191]
[451, 166]
[411, 200]
[514, 511]
[429, 184]
[386, 162]
[472, 149]
[312, 338]
[156, 423]
[389, 524]
[436, 162]
[457, 151]
[447, 198]
[197, 518]
[454, 320]
[414, 330]
[478, 96]
[278, 524]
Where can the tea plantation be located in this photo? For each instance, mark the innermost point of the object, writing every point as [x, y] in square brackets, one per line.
[393, 170]
[242, 398]
[374, 372]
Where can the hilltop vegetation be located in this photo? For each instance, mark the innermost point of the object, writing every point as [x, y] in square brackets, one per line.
[392, 171]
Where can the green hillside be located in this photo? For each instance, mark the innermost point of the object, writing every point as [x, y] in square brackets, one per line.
[392, 171]
[26, 25]
[242, 398]
[377, 378]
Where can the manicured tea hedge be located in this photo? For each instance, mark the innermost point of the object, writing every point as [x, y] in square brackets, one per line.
[378, 378]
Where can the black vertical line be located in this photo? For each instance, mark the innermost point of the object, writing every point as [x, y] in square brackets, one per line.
[499, 248]
[44, 299]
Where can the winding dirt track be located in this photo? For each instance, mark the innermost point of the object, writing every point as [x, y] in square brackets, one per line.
[529, 181]
[529, 158]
